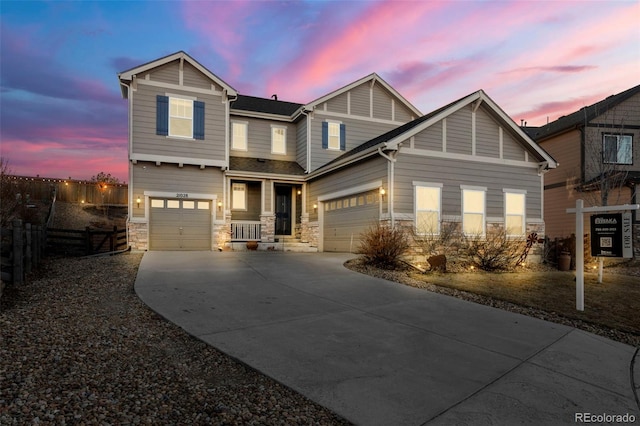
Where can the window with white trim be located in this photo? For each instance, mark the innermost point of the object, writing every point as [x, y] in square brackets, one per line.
[333, 140]
[428, 209]
[617, 149]
[239, 196]
[514, 213]
[473, 211]
[180, 117]
[278, 140]
[239, 135]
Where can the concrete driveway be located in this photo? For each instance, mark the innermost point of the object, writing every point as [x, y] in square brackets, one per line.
[381, 353]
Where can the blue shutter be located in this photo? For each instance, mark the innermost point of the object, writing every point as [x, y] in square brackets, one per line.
[162, 115]
[343, 137]
[325, 135]
[198, 120]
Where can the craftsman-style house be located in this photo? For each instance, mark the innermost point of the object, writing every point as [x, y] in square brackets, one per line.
[212, 168]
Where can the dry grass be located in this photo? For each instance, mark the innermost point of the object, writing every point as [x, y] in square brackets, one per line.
[615, 303]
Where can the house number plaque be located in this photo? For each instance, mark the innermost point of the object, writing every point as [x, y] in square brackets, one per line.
[182, 195]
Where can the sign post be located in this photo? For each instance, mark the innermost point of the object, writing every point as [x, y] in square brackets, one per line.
[604, 231]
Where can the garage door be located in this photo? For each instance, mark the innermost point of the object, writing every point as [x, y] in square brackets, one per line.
[180, 224]
[346, 218]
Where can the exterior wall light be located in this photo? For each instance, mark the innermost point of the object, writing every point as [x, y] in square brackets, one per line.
[138, 200]
[382, 191]
[219, 205]
[315, 207]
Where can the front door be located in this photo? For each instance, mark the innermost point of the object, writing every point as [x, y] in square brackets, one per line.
[283, 210]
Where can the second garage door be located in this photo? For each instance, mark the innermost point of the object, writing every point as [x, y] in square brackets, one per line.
[180, 224]
[346, 218]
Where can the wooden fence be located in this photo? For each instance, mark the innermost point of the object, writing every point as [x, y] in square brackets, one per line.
[85, 242]
[68, 190]
[22, 249]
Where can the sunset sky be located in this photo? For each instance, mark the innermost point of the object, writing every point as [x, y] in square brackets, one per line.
[62, 114]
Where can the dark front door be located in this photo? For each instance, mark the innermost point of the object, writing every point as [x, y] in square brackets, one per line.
[283, 210]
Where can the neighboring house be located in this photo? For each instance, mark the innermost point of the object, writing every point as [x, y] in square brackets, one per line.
[597, 149]
[210, 167]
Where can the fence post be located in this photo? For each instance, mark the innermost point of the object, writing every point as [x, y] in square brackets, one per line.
[112, 239]
[88, 244]
[18, 274]
[37, 244]
[28, 252]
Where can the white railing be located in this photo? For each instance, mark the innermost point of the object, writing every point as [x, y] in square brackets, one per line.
[245, 230]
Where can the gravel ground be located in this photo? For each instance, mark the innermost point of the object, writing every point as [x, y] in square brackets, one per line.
[403, 278]
[77, 346]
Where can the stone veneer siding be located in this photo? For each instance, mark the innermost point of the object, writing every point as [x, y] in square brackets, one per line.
[138, 236]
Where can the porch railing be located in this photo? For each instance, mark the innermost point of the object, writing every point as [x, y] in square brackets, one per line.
[245, 230]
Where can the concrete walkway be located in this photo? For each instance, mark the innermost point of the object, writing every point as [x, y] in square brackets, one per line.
[381, 353]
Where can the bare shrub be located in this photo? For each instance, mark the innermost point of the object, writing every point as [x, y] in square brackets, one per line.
[494, 251]
[437, 241]
[383, 245]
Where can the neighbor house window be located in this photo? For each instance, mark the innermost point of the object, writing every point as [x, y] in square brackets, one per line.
[617, 149]
[278, 140]
[239, 196]
[333, 135]
[239, 136]
[180, 117]
[473, 210]
[514, 212]
[428, 208]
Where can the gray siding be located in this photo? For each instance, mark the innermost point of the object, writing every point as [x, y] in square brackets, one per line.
[382, 103]
[459, 131]
[487, 135]
[338, 104]
[145, 140]
[357, 132]
[430, 138]
[194, 78]
[360, 104]
[259, 140]
[364, 172]
[453, 173]
[512, 149]
[173, 179]
[254, 200]
[301, 141]
[402, 113]
[167, 73]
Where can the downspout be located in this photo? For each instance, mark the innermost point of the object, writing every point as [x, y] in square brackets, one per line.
[391, 183]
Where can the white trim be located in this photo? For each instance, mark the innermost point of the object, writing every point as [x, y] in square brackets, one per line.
[246, 135]
[500, 142]
[339, 123]
[474, 188]
[192, 196]
[350, 191]
[177, 160]
[264, 115]
[172, 86]
[177, 96]
[245, 190]
[417, 185]
[473, 131]
[284, 128]
[444, 135]
[341, 115]
[467, 157]
[429, 184]
[516, 191]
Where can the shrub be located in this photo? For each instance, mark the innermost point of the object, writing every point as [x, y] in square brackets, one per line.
[493, 252]
[383, 246]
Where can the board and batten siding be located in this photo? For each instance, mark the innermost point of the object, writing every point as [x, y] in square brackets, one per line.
[170, 178]
[452, 173]
[146, 141]
[259, 139]
[301, 141]
[364, 172]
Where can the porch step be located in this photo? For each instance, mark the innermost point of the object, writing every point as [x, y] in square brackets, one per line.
[279, 246]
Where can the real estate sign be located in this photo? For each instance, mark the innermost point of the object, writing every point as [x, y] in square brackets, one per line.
[611, 235]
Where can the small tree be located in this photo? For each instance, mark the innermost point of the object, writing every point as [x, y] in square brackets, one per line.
[493, 252]
[383, 245]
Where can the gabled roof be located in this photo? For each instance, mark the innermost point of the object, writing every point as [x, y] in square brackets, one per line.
[127, 75]
[372, 78]
[391, 139]
[579, 118]
[268, 106]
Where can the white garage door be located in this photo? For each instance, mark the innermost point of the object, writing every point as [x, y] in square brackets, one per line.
[346, 218]
[180, 224]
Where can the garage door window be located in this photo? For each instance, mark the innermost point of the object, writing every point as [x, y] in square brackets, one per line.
[173, 204]
[157, 204]
[203, 205]
[188, 205]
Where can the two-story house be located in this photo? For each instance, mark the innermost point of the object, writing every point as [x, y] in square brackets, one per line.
[596, 147]
[210, 167]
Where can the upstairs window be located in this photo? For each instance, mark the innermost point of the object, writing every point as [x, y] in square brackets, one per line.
[278, 140]
[514, 213]
[617, 149]
[473, 211]
[239, 136]
[333, 135]
[179, 117]
[427, 204]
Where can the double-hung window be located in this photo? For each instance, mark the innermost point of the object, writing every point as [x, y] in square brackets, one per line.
[180, 117]
[333, 135]
[239, 135]
[617, 149]
[514, 212]
[473, 210]
[239, 196]
[278, 140]
[427, 208]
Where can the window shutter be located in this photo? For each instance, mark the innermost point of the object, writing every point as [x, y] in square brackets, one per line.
[198, 120]
[343, 138]
[162, 115]
[325, 135]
